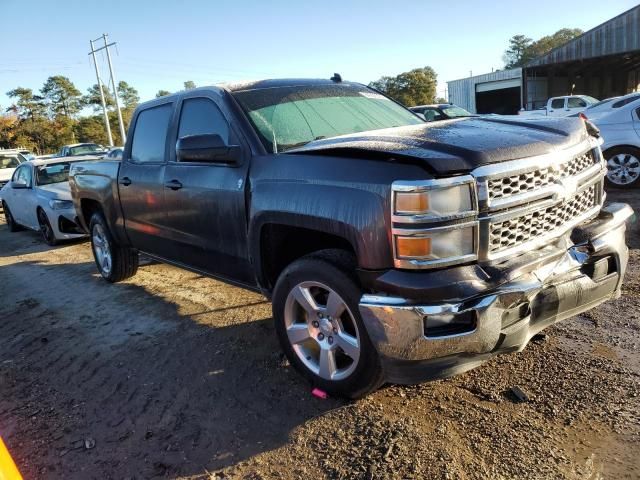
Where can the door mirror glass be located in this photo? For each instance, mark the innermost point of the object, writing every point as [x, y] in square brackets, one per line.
[206, 148]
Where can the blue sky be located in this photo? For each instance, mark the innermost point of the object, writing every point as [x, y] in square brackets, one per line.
[161, 44]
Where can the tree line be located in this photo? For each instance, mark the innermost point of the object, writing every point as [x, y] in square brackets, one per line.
[43, 121]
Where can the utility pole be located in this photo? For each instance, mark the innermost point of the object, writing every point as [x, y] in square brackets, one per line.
[123, 134]
[104, 104]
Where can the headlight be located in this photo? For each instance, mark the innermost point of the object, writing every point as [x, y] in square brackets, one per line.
[434, 222]
[435, 200]
[436, 246]
[60, 204]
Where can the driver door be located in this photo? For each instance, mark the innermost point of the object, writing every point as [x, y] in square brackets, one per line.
[21, 201]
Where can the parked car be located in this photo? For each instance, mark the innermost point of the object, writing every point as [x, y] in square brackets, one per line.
[564, 106]
[392, 250]
[79, 149]
[115, 153]
[9, 161]
[441, 111]
[619, 122]
[38, 198]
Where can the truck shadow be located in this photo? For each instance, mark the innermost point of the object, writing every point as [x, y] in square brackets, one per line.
[162, 393]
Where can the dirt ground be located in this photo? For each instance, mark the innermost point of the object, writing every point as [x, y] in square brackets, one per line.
[172, 375]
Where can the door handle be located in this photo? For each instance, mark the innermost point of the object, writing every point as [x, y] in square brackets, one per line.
[173, 185]
[126, 181]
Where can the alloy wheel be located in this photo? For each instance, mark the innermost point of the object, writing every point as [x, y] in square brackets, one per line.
[45, 227]
[322, 330]
[623, 169]
[101, 249]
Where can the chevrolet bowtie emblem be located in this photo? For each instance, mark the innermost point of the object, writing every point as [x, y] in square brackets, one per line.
[567, 187]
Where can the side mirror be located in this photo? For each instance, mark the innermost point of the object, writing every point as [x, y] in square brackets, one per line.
[206, 148]
[19, 184]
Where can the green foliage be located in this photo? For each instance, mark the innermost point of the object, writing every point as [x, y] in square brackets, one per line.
[416, 87]
[92, 98]
[62, 96]
[44, 123]
[162, 93]
[522, 49]
[189, 84]
[128, 95]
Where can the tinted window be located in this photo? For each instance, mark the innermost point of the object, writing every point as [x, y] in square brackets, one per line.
[150, 134]
[625, 101]
[576, 102]
[201, 116]
[557, 103]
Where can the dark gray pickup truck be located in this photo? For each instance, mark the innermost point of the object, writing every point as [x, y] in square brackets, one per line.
[392, 249]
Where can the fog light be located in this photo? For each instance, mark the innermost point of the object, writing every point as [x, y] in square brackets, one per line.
[445, 324]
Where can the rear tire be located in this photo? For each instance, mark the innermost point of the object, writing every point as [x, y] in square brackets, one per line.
[11, 222]
[46, 229]
[315, 308]
[115, 263]
[623, 167]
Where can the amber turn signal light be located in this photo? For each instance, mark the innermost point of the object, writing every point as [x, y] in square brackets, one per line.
[412, 202]
[415, 247]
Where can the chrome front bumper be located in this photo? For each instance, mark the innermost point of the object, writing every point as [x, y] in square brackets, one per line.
[567, 278]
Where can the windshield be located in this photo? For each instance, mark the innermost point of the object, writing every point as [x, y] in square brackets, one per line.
[453, 111]
[52, 173]
[9, 161]
[589, 100]
[85, 149]
[289, 117]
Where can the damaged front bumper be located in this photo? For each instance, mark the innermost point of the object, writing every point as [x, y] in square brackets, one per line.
[501, 307]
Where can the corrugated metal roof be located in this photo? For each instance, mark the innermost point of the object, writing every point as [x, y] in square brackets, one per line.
[462, 92]
[619, 35]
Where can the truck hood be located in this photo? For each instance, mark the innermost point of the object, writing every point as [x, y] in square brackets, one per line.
[456, 146]
[58, 191]
[6, 173]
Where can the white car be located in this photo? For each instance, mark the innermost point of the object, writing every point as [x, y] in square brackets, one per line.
[38, 197]
[564, 106]
[619, 122]
[9, 161]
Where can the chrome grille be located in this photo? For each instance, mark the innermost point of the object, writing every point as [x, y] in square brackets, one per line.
[516, 231]
[526, 182]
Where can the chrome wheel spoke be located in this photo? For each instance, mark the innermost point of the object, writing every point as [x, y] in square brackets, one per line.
[327, 363]
[303, 296]
[298, 333]
[349, 345]
[335, 306]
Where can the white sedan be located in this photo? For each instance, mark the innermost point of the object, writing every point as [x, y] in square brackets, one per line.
[38, 198]
[619, 122]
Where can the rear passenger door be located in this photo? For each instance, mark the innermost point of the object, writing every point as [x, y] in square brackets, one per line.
[140, 180]
[205, 201]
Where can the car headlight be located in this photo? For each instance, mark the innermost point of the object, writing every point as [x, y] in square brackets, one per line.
[434, 222]
[60, 204]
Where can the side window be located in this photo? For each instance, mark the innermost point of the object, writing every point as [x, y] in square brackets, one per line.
[150, 134]
[23, 174]
[200, 116]
[557, 103]
[576, 102]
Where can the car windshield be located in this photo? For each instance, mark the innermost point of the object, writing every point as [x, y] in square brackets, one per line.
[9, 161]
[602, 102]
[85, 149]
[590, 100]
[453, 111]
[52, 173]
[289, 117]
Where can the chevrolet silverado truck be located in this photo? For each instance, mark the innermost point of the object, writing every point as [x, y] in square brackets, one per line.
[393, 250]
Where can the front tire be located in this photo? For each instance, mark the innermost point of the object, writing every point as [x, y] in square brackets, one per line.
[623, 167]
[11, 222]
[315, 307]
[46, 229]
[115, 263]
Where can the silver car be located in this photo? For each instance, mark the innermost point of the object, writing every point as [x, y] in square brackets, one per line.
[619, 122]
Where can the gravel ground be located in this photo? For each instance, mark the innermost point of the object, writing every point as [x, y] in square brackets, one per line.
[173, 375]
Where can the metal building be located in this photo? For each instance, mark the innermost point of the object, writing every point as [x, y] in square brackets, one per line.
[602, 62]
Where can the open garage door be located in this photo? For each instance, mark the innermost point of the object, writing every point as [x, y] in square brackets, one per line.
[502, 97]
